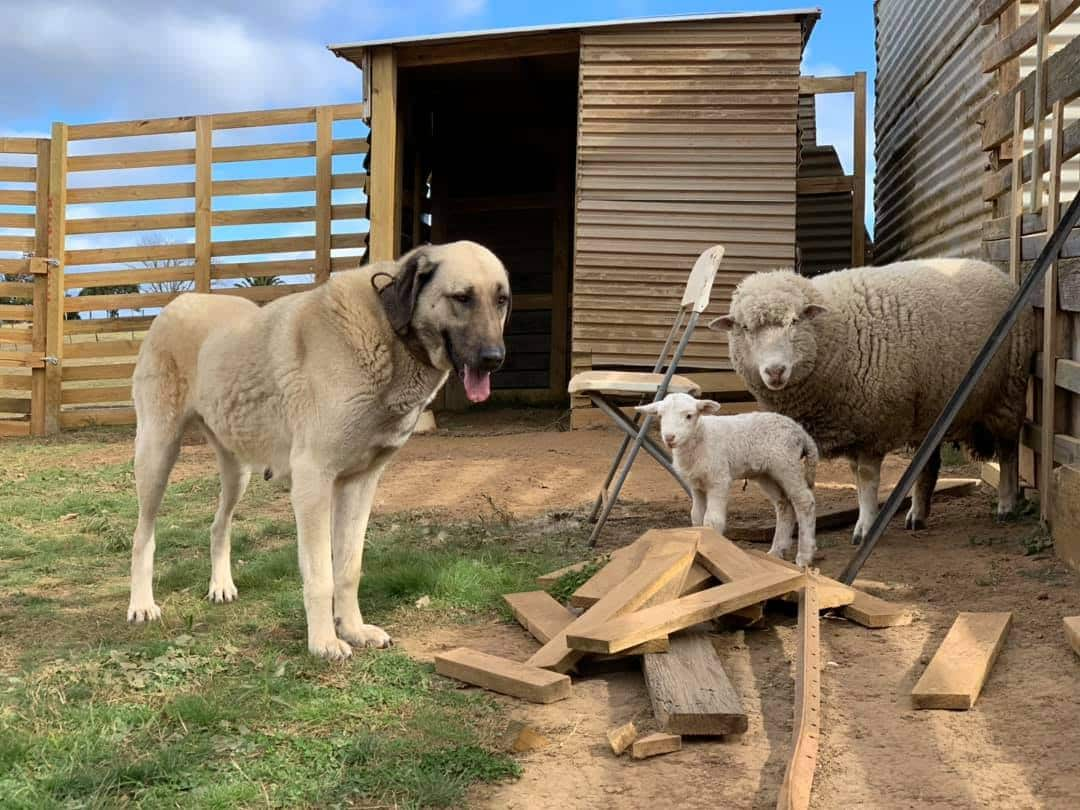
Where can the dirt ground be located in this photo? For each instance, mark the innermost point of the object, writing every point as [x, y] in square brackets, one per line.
[1017, 748]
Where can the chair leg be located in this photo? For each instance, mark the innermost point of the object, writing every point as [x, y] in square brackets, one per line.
[613, 495]
[607, 481]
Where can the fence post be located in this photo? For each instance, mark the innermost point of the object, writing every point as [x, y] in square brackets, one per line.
[204, 162]
[54, 297]
[858, 189]
[324, 145]
[384, 175]
[41, 288]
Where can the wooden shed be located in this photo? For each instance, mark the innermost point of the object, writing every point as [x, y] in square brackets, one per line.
[598, 160]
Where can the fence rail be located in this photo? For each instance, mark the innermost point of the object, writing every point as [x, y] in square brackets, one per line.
[88, 254]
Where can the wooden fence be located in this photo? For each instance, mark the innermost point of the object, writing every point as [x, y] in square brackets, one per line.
[1025, 187]
[98, 255]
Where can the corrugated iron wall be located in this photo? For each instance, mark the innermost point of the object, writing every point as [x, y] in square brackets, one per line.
[930, 163]
[687, 138]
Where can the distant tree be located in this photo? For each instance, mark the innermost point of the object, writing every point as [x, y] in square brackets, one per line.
[111, 289]
[176, 286]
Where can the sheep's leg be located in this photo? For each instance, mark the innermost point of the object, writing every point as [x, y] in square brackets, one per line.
[697, 511]
[716, 505]
[867, 469]
[785, 516]
[923, 492]
[1008, 452]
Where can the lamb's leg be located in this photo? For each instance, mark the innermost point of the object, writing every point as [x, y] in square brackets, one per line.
[785, 516]
[867, 470]
[697, 511]
[1008, 452]
[923, 492]
[802, 501]
[716, 507]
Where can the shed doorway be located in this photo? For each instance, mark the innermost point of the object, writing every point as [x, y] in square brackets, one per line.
[489, 155]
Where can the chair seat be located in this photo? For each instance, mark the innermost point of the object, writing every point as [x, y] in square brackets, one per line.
[628, 383]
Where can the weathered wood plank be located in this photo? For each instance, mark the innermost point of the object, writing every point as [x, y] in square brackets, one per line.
[503, 676]
[829, 592]
[678, 614]
[799, 776]
[539, 613]
[870, 611]
[690, 692]
[1072, 632]
[959, 669]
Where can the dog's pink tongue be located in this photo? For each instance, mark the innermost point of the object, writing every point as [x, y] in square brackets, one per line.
[477, 384]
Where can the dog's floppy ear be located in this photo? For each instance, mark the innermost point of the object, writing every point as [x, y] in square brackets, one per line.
[398, 298]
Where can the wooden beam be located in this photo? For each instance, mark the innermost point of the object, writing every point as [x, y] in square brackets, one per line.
[1072, 632]
[1012, 46]
[539, 613]
[799, 776]
[622, 563]
[38, 376]
[54, 297]
[204, 182]
[324, 174]
[503, 676]
[1065, 520]
[384, 182]
[824, 185]
[550, 578]
[990, 10]
[870, 611]
[620, 633]
[858, 190]
[657, 570]
[1051, 346]
[1016, 198]
[725, 560]
[689, 690]
[621, 737]
[436, 53]
[829, 593]
[813, 85]
[1039, 110]
[961, 665]
[655, 744]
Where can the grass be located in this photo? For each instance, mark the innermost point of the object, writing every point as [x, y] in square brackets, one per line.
[221, 706]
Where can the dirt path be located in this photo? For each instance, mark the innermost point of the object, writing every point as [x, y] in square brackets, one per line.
[1017, 748]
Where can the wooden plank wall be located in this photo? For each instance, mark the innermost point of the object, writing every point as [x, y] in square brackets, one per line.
[687, 138]
[120, 267]
[1028, 190]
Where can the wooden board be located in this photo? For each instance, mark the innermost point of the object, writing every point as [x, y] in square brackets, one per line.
[621, 737]
[799, 776]
[539, 613]
[830, 593]
[636, 590]
[870, 611]
[550, 578]
[678, 614]
[1066, 514]
[725, 560]
[622, 563]
[962, 663]
[1072, 632]
[503, 676]
[654, 745]
[690, 692]
[762, 532]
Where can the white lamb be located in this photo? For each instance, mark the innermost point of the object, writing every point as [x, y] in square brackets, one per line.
[712, 451]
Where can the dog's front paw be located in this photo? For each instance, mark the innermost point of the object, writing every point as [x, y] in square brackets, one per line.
[332, 649]
[143, 610]
[366, 635]
[221, 592]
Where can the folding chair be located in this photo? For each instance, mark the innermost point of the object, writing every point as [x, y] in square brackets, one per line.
[605, 388]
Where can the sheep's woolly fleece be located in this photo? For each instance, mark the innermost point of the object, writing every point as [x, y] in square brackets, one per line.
[771, 299]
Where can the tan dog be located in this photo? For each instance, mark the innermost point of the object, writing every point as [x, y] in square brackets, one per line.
[321, 387]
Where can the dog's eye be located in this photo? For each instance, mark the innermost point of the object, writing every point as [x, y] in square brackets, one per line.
[462, 297]
[688, 417]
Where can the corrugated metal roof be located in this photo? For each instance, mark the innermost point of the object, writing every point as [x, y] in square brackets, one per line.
[812, 14]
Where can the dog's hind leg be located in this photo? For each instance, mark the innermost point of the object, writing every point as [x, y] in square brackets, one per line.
[234, 481]
[352, 506]
[157, 444]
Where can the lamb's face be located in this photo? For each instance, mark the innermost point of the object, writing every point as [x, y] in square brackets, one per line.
[679, 414]
[780, 351]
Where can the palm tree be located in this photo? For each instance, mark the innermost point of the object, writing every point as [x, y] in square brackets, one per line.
[260, 281]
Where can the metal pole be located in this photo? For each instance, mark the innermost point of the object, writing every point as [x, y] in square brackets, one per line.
[956, 402]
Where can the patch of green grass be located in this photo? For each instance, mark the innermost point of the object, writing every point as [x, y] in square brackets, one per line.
[1038, 541]
[221, 705]
[563, 588]
[953, 455]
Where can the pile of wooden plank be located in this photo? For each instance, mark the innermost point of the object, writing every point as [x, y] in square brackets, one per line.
[650, 600]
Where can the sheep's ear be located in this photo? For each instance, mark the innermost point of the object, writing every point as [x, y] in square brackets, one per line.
[706, 407]
[652, 407]
[812, 311]
[724, 322]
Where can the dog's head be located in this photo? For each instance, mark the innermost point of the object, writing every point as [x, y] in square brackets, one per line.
[453, 300]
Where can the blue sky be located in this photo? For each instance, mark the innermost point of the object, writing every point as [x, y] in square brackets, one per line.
[95, 60]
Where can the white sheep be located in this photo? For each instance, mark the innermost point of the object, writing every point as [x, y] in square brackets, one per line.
[711, 451]
[866, 358]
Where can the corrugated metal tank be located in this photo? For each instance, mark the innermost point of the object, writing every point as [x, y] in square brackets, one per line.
[930, 163]
[687, 138]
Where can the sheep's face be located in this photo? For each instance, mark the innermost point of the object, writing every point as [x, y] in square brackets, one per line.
[679, 414]
[780, 352]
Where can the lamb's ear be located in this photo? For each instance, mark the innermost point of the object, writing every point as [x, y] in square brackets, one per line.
[706, 407]
[398, 298]
[813, 310]
[723, 323]
[652, 407]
